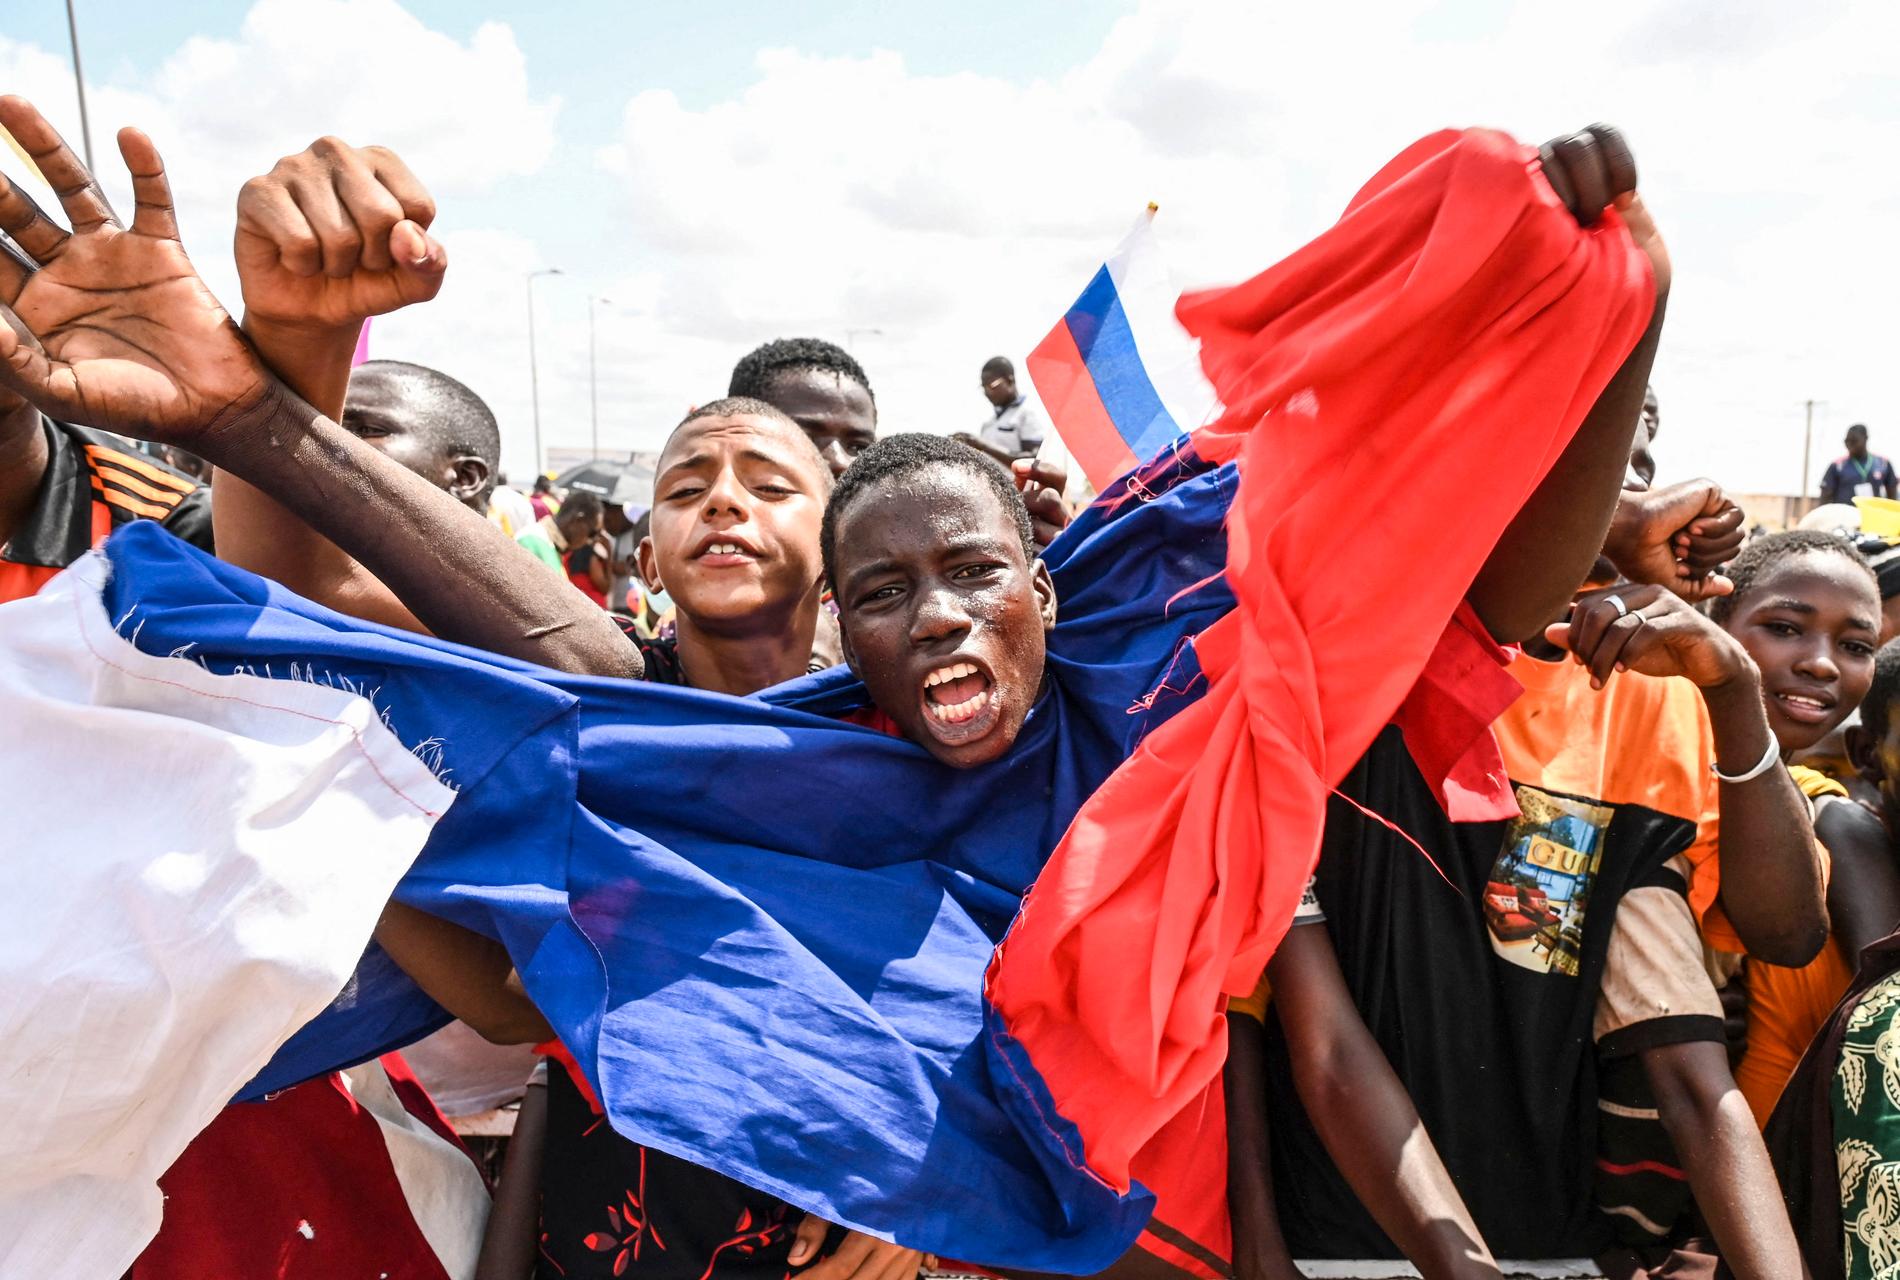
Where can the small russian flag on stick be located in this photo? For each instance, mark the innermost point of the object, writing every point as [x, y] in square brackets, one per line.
[1118, 374]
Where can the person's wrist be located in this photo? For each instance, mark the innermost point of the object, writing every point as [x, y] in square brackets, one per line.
[19, 420]
[1736, 717]
[252, 428]
[265, 328]
[1733, 677]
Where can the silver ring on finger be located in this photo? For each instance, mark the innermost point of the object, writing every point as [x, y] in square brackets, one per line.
[1616, 603]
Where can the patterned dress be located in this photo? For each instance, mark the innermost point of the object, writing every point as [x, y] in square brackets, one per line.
[1866, 1106]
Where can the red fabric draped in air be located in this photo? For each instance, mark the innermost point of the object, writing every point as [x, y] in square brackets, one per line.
[1395, 391]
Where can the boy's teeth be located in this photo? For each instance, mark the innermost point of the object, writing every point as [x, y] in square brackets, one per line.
[961, 711]
[954, 672]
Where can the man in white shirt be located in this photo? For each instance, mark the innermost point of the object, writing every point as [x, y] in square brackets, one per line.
[1014, 429]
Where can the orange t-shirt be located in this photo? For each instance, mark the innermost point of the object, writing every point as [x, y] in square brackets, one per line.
[1647, 740]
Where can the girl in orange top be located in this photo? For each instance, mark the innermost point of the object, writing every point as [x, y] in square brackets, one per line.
[1807, 610]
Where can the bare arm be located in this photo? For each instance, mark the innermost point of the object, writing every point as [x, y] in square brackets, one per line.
[988, 450]
[1863, 895]
[467, 974]
[328, 238]
[23, 459]
[1365, 1117]
[508, 1246]
[1260, 1251]
[23, 455]
[1721, 1150]
[1772, 889]
[1771, 875]
[462, 577]
[1546, 552]
[116, 330]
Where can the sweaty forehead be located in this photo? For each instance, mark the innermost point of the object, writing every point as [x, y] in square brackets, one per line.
[917, 513]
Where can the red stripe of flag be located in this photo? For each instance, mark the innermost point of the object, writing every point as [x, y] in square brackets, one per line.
[1075, 407]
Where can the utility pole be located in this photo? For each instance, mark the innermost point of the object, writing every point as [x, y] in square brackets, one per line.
[534, 376]
[79, 80]
[593, 375]
[1807, 448]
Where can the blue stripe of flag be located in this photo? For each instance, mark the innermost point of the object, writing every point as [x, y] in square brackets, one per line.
[1101, 332]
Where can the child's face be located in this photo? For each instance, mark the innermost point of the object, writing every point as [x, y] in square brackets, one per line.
[737, 504]
[1812, 624]
[932, 580]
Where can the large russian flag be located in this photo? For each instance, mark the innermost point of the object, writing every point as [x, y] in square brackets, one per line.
[1118, 374]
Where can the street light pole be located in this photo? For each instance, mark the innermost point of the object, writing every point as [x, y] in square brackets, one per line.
[79, 80]
[534, 375]
[1807, 449]
[593, 375]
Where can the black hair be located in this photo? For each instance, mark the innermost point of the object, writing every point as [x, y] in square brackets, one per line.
[1858, 426]
[759, 368]
[1765, 553]
[997, 365]
[746, 406]
[905, 454]
[452, 418]
[1876, 708]
[581, 505]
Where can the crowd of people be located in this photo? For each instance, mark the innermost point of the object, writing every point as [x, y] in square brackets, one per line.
[1564, 950]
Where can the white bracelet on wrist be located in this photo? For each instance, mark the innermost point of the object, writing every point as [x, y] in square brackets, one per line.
[1769, 760]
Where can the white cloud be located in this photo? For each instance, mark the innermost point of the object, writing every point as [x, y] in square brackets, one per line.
[959, 214]
[933, 220]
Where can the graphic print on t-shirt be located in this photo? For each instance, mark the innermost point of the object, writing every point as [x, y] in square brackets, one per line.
[1540, 885]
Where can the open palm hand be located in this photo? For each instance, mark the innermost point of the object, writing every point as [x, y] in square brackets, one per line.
[115, 329]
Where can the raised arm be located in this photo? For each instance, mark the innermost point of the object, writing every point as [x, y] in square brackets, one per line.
[116, 330]
[1546, 552]
[23, 454]
[22, 462]
[1771, 873]
[328, 238]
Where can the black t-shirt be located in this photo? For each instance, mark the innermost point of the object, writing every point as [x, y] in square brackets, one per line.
[1484, 1007]
[94, 482]
[611, 1207]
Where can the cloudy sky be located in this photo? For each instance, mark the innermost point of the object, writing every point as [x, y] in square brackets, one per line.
[932, 185]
